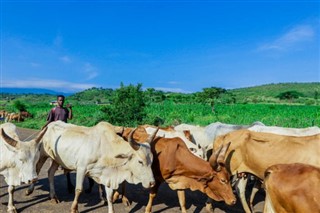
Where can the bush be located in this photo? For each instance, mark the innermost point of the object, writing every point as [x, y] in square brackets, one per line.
[127, 108]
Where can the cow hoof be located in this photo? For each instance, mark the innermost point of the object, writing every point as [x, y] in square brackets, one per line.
[209, 208]
[104, 202]
[28, 192]
[126, 202]
[55, 200]
[12, 210]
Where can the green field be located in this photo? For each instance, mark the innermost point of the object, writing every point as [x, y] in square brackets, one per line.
[169, 113]
[165, 109]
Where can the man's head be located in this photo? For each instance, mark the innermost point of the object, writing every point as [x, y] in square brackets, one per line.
[60, 100]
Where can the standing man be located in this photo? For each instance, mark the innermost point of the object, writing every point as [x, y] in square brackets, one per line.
[59, 112]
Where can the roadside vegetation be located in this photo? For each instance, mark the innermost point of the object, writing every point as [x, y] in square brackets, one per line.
[288, 105]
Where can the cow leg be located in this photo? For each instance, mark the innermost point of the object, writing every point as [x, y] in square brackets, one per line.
[152, 195]
[116, 195]
[125, 200]
[242, 184]
[255, 189]
[268, 207]
[79, 186]
[39, 165]
[53, 168]
[109, 193]
[11, 207]
[182, 200]
[102, 194]
[74, 206]
[120, 193]
[209, 207]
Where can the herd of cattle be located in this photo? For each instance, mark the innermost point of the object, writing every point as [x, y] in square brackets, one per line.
[6, 116]
[214, 159]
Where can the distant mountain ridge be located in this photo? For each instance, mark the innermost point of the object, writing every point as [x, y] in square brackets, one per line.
[31, 91]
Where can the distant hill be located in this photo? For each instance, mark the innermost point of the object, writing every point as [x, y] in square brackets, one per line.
[272, 90]
[258, 94]
[31, 91]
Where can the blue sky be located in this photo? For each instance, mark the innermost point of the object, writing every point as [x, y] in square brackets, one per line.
[180, 46]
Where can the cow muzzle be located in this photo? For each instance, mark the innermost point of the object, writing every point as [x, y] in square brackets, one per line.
[231, 202]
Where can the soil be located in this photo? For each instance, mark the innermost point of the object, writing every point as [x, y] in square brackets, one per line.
[166, 200]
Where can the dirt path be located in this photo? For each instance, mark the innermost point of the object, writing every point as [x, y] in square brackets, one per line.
[166, 200]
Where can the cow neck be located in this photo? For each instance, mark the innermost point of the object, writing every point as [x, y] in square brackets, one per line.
[183, 163]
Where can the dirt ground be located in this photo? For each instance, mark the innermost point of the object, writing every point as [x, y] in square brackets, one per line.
[166, 200]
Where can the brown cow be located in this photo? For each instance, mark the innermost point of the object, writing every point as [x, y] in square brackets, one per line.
[14, 117]
[253, 152]
[292, 188]
[174, 164]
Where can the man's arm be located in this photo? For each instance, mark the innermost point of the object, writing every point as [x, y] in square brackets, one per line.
[70, 115]
[49, 118]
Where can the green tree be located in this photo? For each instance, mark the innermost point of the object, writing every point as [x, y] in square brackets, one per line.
[127, 108]
[316, 95]
[210, 95]
[19, 106]
[289, 95]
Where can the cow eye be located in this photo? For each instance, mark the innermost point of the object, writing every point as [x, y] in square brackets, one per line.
[223, 180]
[140, 162]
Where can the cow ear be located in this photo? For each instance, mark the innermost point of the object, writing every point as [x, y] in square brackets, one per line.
[13, 144]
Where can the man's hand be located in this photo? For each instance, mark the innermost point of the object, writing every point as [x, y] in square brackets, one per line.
[69, 106]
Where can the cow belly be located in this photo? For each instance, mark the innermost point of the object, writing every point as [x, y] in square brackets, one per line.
[70, 156]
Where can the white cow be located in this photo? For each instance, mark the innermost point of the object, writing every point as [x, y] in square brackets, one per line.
[99, 153]
[196, 149]
[17, 159]
[204, 136]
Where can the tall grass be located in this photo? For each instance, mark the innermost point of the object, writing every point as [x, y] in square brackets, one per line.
[297, 116]
[169, 113]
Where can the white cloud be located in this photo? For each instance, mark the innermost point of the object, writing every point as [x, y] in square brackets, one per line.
[47, 84]
[167, 89]
[90, 71]
[173, 82]
[294, 36]
[65, 59]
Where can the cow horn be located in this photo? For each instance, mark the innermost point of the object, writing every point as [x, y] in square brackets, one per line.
[152, 136]
[220, 157]
[8, 139]
[119, 130]
[222, 153]
[132, 142]
[38, 139]
[214, 157]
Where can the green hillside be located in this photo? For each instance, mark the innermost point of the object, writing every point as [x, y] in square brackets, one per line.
[268, 92]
